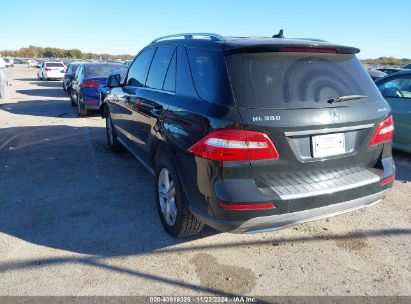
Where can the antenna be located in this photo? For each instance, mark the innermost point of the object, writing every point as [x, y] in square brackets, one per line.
[280, 34]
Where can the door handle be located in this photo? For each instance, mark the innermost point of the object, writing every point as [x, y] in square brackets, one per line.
[157, 111]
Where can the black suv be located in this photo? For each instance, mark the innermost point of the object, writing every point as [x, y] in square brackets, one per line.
[252, 134]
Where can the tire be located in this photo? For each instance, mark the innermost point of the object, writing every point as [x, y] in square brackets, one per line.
[73, 103]
[171, 203]
[81, 111]
[111, 135]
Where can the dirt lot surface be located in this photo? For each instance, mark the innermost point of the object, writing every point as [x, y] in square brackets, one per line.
[76, 219]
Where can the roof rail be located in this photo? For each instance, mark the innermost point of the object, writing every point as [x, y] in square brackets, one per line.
[214, 37]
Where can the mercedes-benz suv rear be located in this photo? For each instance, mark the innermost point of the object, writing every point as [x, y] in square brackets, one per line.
[255, 134]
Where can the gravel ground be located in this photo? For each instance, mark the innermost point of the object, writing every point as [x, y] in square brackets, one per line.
[76, 219]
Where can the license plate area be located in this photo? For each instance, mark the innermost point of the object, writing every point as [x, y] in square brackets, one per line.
[328, 144]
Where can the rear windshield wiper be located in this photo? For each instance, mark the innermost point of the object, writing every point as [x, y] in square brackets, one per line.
[345, 98]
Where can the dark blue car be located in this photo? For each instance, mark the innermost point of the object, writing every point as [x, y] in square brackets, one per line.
[85, 85]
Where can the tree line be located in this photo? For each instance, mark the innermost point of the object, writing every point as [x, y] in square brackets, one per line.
[51, 52]
[387, 61]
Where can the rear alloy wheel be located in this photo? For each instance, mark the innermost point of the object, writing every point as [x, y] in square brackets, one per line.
[172, 205]
[167, 197]
[112, 140]
[82, 110]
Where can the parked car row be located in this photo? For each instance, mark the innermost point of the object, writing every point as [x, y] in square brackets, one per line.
[249, 134]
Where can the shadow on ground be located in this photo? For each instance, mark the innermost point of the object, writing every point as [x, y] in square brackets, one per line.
[50, 92]
[48, 108]
[60, 191]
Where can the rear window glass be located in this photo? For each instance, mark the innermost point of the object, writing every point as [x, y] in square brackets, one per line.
[101, 70]
[297, 80]
[54, 64]
[73, 68]
[210, 75]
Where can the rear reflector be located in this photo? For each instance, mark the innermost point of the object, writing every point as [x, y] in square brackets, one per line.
[247, 206]
[47, 69]
[90, 84]
[384, 132]
[388, 180]
[92, 101]
[307, 50]
[235, 145]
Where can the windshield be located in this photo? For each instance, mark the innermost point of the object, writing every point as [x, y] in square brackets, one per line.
[297, 80]
[102, 70]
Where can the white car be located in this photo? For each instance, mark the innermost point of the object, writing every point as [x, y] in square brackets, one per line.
[51, 70]
[31, 63]
[9, 62]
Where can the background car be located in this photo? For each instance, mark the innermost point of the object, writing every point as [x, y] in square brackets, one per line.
[31, 63]
[396, 89]
[51, 70]
[69, 75]
[389, 70]
[407, 66]
[85, 86]
[376, 74]
[9, 62]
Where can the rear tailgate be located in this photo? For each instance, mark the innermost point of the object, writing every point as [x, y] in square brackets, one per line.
[323, 146]
[300, 171]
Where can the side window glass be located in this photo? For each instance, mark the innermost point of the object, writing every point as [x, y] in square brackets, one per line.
[170, 81]
[138, 71]
[396, 88]
[79, 72]
[159, 66]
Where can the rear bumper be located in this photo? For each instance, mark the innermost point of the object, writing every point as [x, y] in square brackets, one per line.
[54, 75]
[280, 221]
[91, 98]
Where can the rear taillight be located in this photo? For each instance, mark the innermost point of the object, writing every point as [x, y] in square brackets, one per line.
[235, 145]
[47, 69]
[90, 84]
[307, 50]
[384, 132]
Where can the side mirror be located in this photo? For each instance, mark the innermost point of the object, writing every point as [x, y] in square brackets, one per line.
[113, 81]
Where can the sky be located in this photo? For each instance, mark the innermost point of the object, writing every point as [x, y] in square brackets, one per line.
[378, 28]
